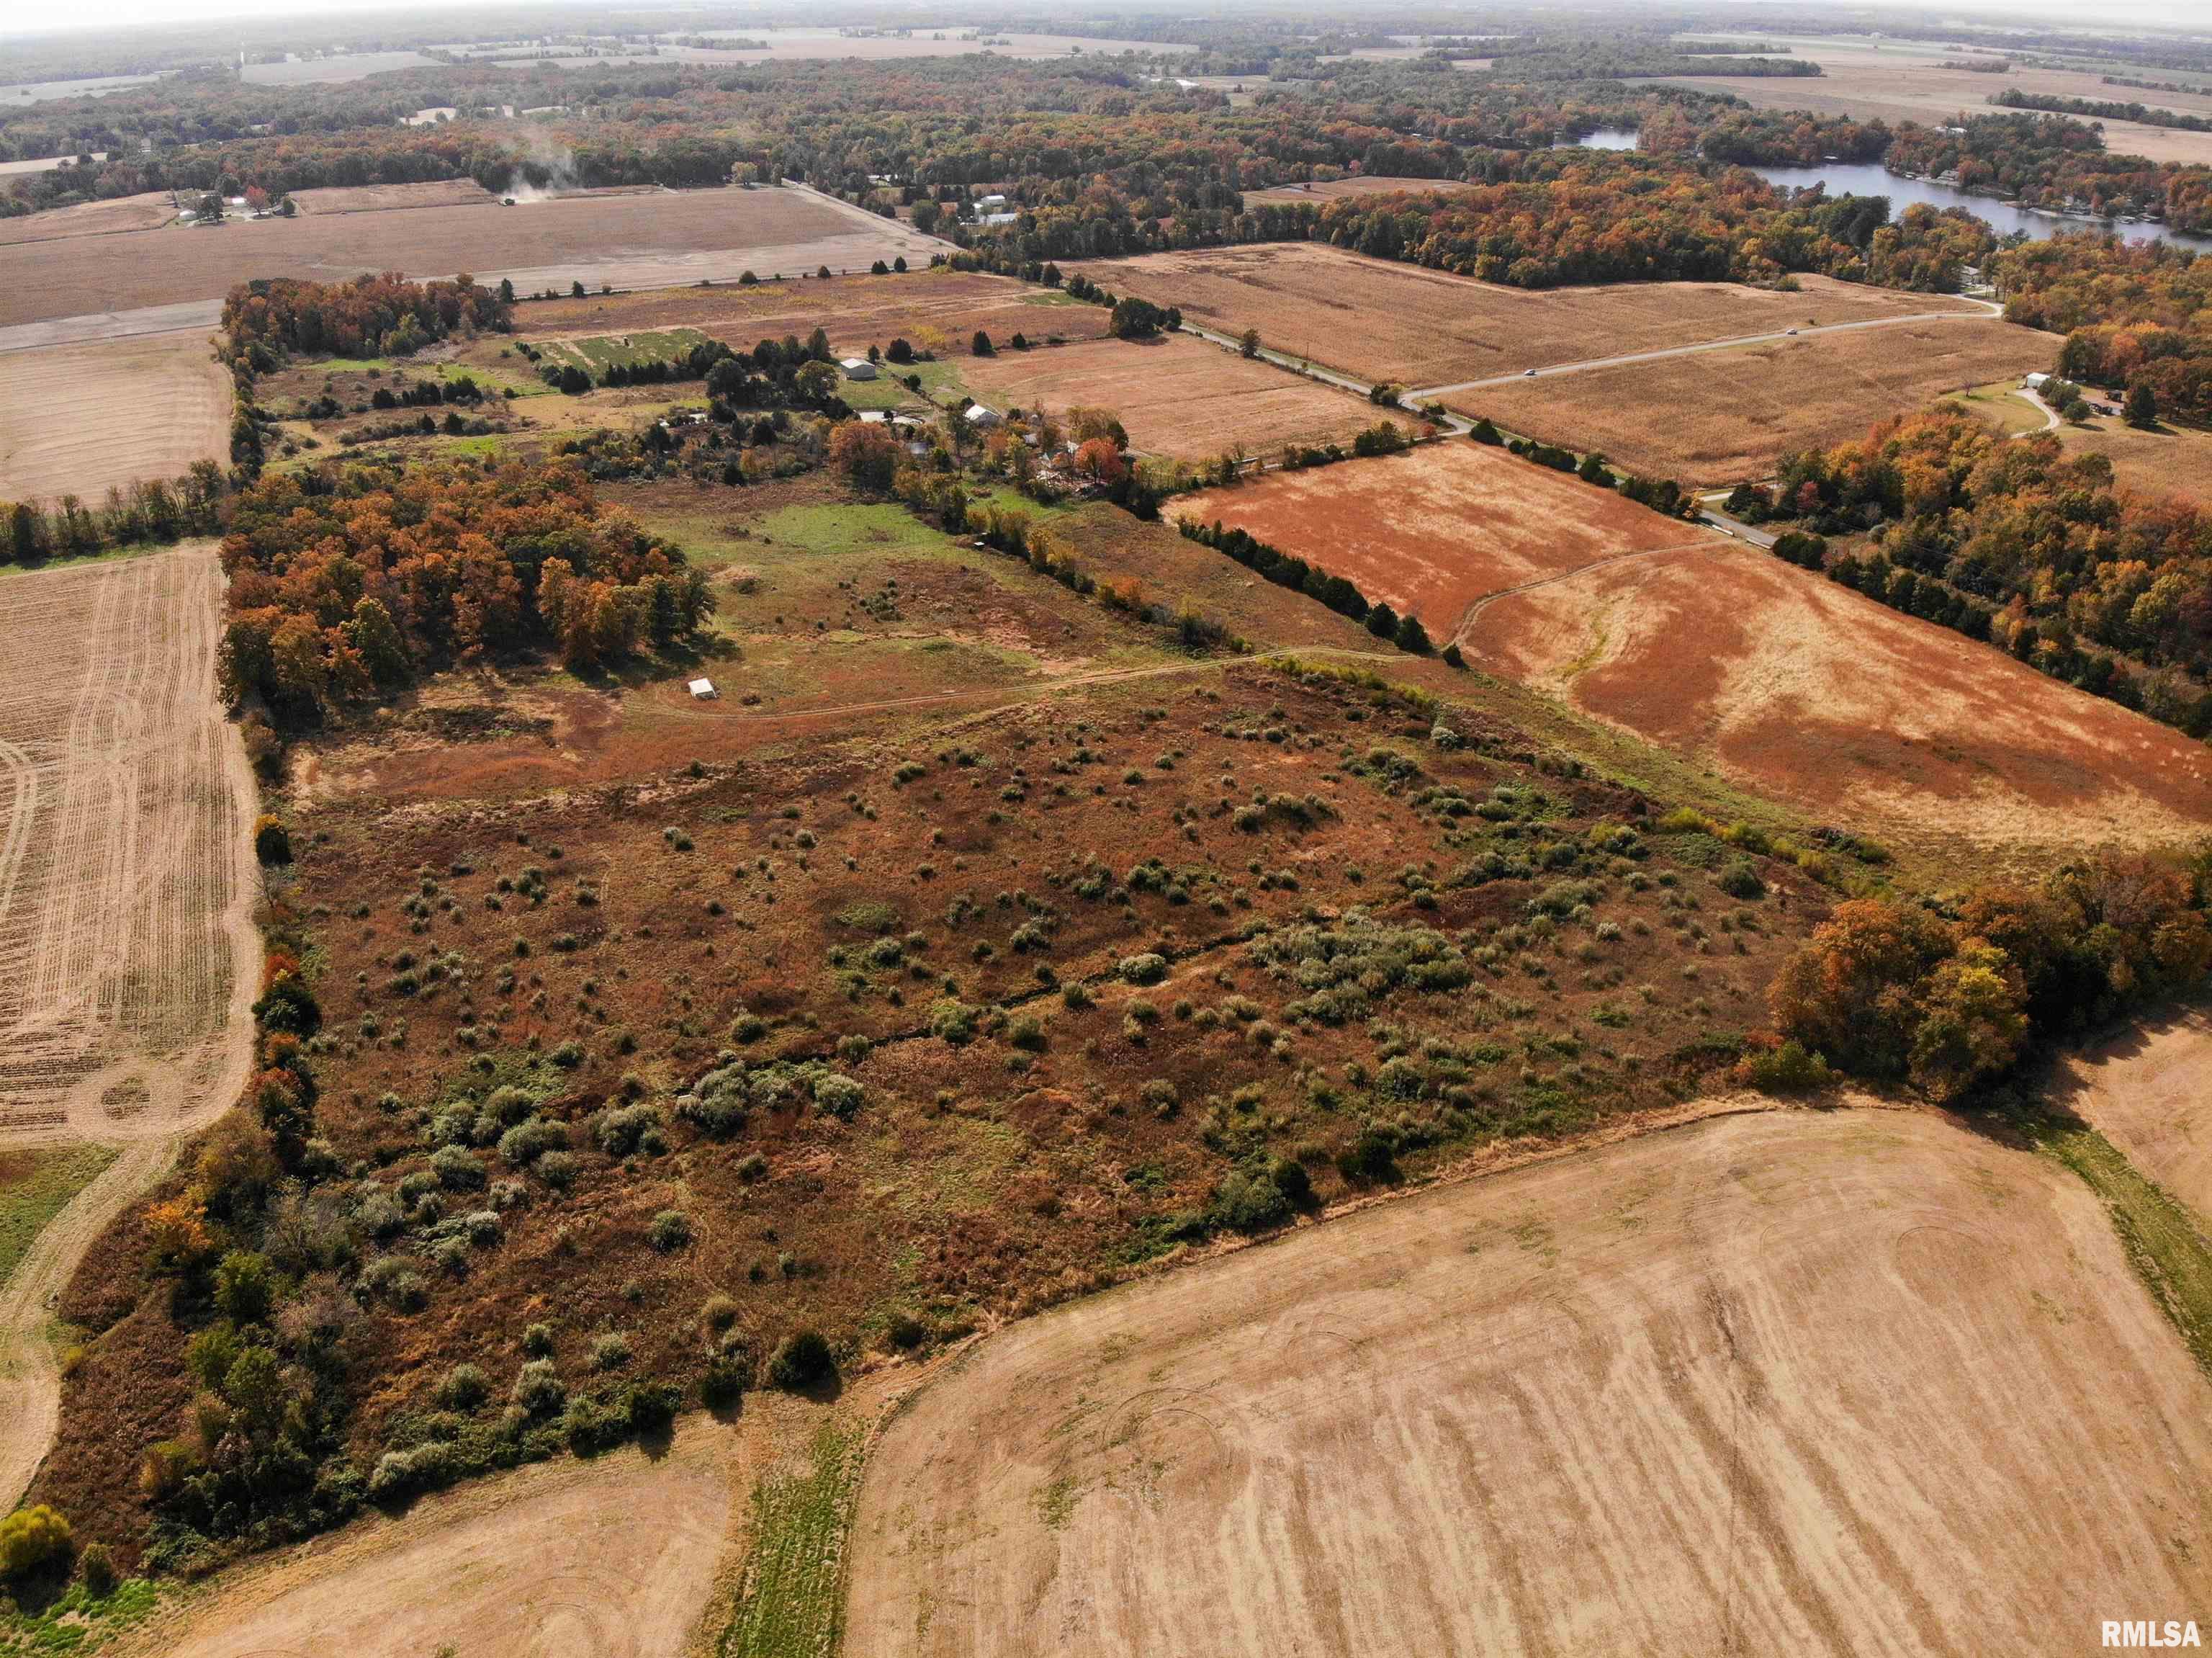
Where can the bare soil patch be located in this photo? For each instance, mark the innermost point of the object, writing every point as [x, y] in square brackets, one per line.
[1719, 416]
[1381, 320]
[628, 240]
[91, 219]
[127, 949]
[614, 1559]
[1818, 696]
[2147, 1091]
[1750, 1385]
[82, 419]
[1179, 397]
[1435, 531]
[375, 197]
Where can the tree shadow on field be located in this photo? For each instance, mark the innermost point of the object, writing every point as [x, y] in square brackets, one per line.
[2050, 1090]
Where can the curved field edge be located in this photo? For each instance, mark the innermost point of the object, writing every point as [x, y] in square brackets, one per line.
[1062, 1508]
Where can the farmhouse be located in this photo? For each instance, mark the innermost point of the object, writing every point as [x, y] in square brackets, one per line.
[858, 367]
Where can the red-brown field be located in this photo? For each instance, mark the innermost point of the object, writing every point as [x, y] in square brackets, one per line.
[1179, 397]
[1381, 320]
[1437, 530]
[376, 197]
[1812, 694]
[666, 237]
[1720, 417]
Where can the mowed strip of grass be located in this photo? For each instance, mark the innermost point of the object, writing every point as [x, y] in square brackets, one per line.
[35, 1186]
[791, 1605]
[2164, 1240]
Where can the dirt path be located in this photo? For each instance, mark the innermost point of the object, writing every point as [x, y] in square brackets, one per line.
[1750, 1386]
[2148, 1090]
[30, 1378]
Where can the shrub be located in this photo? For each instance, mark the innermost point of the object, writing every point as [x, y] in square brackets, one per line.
[801, 1360]
[1786, 1069]
[529, 1141]
[458, 1168]
[272, 842]
[96, 1566]
[1739, 879]
[537, 1340]
[32, 1540]
[951, 1020]
[1145, 969]
[838, 1095]
[464, 1388]
[624, 1128]
[723, 1382]
[610, 1351]
[538, 1389]
[1248, 1204]
[670, 1231]
[1291, 1178]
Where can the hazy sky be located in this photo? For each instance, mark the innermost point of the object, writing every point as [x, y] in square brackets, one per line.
[26, 18]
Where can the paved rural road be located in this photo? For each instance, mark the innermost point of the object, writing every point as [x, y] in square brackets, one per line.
[1452, 422]
[1426, 392]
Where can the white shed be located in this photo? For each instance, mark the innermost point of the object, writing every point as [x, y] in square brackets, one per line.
[2036, 382]
[704, 690]
[858, 367]
[977, 415]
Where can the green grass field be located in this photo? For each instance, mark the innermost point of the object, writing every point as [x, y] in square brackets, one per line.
[602, 353]
[793, 1602]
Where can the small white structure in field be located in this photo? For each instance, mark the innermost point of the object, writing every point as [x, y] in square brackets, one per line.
[977, 415]
[704, 690]
[858, 367]
[873, 417]
[990, 204]
[2036, 382]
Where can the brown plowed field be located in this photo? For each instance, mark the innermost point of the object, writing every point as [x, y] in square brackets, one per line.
[377, 197]
[91, 219]
[1435, 531]
[1812, 694]
[611, 1558]
[2148, 1090]
[631, 241]
[1751, 1386]
[78, 419]
[128, 957]
[1178, 396]
[1720, 417]
[857, 311]
[1381, 321]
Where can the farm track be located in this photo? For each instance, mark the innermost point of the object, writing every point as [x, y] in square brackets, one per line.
[128, 954]
[1705, 543]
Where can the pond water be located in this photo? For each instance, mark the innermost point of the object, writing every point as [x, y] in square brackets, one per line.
[1869, 179]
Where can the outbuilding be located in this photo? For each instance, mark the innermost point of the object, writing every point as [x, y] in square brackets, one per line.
[858, 367]
[2036, 382]
[977, 415]
[704, 690]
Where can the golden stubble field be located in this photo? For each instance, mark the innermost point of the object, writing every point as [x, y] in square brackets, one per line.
[1755, 1385]
[1905, 80]
[1383, 320]
[1716, 417]
[636, 240]
[82, 419]
[128, 956]
[1178, 396]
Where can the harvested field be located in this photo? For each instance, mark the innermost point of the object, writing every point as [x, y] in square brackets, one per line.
[2145, 1089]
[1179, 397]
[1335, 189]
[1730, 415]
[857, 311]
[107, 218]
[2174, 461]
[630, 240]
[785, 45]
[557, 1558]
[328, 71]
[1435, 531]
[1816, 695]
[43, 164]
[1381, 320]
[1748, 1385]
[128, 956]
[1905, 80]
[80, 419]
[376, 197]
